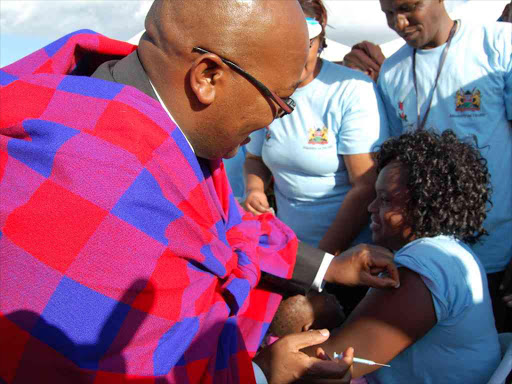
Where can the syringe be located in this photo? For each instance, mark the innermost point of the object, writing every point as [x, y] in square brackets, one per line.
[338, 356]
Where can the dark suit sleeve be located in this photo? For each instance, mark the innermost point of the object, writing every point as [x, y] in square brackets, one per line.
[306, 267]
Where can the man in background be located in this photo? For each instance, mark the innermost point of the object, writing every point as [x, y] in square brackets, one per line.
[458, 75]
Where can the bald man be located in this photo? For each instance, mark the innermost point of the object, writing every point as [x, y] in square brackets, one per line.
[125, 256]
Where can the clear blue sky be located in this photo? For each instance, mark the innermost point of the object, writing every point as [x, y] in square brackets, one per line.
[13, 47]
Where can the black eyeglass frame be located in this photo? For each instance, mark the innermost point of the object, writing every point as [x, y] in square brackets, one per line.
[287, 105]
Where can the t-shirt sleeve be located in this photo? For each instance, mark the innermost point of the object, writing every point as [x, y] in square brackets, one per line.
[255, 146]
[363, 122]
[395, 125]
[445, 276]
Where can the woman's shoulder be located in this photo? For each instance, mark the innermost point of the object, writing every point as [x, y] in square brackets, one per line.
[440, 256]
[442, 243]
[332, 73]
[449, 269]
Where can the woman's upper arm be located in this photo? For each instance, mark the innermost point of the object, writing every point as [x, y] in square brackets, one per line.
[361, 169]
[386, 322]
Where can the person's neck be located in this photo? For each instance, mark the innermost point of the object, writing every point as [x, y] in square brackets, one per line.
[442, 35]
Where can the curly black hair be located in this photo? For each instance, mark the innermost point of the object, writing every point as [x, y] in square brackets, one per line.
[448, 183]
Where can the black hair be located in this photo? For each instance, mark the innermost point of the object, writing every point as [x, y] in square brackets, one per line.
[447, 180]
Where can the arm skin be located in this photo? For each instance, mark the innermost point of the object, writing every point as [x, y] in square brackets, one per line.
[354, 208]
[385, 323]
[257, 178]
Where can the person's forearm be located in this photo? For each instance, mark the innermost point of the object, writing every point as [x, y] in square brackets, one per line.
[378, 330]
[351, 218]
[257, 175]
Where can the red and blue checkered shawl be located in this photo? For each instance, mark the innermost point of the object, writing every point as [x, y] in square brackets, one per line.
[124, 258]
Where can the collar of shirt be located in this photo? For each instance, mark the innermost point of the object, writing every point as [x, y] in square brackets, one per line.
[169, 114]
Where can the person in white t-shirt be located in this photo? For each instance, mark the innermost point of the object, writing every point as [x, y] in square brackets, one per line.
[458, 75]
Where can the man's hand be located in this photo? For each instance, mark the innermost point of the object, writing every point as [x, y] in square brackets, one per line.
[506, 286]
[361, 265]
[256, 202]
[283, 362]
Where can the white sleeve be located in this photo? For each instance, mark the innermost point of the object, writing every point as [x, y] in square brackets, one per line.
[318, 283]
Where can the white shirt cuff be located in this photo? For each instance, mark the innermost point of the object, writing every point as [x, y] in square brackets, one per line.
[258, 374]
[318, 283]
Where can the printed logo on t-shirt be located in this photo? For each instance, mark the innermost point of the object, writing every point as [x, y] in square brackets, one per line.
[401, 112]
[318, 136]
[467, 100]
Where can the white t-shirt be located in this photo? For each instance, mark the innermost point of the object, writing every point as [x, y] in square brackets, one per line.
[463, 346]
[473, 98]
[338, 113]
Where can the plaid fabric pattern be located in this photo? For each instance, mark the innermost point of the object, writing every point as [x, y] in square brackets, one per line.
[123, 258]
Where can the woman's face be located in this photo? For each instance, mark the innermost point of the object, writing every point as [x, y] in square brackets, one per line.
[389, 222]
[308, 74]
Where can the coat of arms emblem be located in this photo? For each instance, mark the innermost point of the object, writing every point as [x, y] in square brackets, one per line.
[467, 100]
[318, 136]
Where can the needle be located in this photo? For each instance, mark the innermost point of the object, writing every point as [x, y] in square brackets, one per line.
[338, 356]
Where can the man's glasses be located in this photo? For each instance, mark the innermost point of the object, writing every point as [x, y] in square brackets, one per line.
[286, 105]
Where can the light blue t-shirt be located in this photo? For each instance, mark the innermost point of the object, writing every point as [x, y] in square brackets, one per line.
[338, 113]
[463, 346]
[235, 172]
[473, 97]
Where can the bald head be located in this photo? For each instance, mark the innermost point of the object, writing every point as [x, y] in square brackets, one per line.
[301, 313]
[268, 39]
[231, 26]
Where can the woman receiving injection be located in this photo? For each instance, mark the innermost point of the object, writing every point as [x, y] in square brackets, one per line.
[438, 327]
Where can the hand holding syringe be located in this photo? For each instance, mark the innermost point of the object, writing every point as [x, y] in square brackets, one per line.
[338, 356]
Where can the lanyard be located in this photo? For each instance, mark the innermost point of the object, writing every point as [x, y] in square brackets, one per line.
[440, 68]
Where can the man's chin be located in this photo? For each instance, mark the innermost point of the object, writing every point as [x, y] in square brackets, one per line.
[232, 153]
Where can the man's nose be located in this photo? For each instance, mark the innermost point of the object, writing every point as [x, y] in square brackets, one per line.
[400, 22]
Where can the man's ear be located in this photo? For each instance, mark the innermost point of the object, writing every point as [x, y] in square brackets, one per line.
[306, 327]
[207, 76]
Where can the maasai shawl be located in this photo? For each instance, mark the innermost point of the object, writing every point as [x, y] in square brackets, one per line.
[124, 258]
